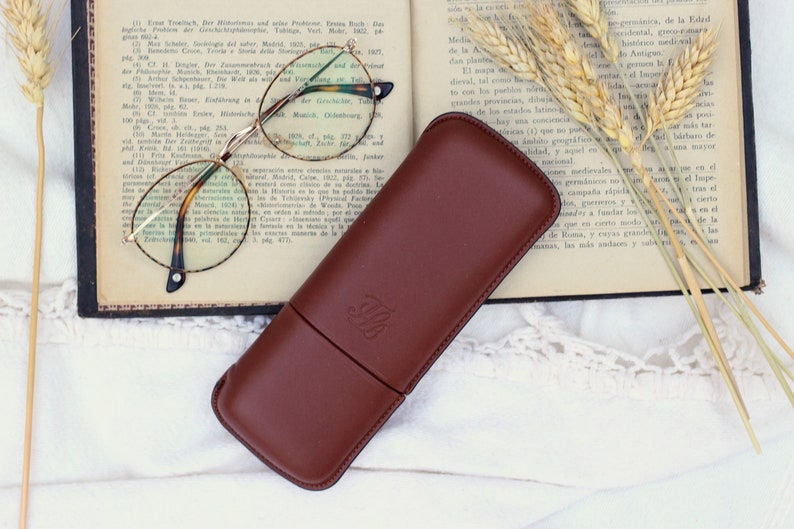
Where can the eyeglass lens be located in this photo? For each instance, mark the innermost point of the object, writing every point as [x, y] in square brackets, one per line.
[213, 226]
[327, 117]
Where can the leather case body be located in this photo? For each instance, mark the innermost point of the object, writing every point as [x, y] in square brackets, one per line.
[354, 340]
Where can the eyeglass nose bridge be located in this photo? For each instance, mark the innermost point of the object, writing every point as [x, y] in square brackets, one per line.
[237, 140]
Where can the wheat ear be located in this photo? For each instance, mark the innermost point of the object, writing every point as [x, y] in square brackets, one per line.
[569, 73]
[566, 71]
[680, 85]
[592, 14]
[30, 34]
[507, 52]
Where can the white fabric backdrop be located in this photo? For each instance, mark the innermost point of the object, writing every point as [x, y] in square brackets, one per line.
[569, 415]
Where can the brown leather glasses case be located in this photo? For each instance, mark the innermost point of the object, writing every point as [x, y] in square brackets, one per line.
[456, 216]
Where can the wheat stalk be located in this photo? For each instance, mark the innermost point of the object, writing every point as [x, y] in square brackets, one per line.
[574, 70]
[30, 33]
[610, 120]
[592, 14]
[570, 78]
[680, 85]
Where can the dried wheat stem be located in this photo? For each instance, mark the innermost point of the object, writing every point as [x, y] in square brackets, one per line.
[612, 127]
[657, 199]
[721, 270]
[30, 34]
[33, 332]
[571, 79]
[680, 85]
[566, 69]
[591, 13]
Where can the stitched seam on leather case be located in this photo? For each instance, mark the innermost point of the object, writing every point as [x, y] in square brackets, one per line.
[548, 221]
[340, 469]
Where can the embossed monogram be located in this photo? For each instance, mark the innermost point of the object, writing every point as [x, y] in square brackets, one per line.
[371, 316]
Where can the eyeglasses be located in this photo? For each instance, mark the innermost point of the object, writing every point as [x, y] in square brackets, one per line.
[197, 215]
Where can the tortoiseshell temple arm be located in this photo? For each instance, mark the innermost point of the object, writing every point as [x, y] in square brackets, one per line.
[176, 276]
[382, 89]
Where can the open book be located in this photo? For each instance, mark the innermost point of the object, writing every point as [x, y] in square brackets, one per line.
[159, 84]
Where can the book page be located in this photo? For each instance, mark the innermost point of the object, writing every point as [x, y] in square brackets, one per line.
[174, 80]
[599, 244]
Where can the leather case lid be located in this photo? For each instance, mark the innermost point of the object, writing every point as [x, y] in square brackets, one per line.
[455, 217]
[300, 404]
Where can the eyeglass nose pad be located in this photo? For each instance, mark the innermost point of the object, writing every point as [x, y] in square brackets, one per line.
[280, 142]
[240, 174]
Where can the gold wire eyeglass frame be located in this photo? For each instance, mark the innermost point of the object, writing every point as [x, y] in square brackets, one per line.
[187, 192]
